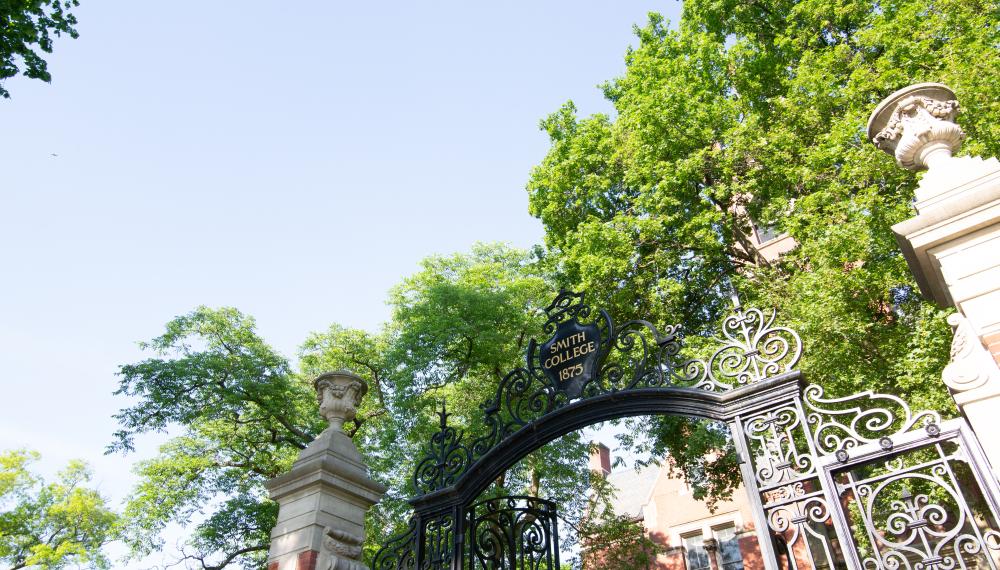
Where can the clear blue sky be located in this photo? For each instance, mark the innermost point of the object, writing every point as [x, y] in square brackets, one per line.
[292, 159]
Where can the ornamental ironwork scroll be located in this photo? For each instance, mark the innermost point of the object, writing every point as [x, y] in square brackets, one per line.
[859, 482]
[588, 355]
[866, 483]
[513, 532]
[921, 501]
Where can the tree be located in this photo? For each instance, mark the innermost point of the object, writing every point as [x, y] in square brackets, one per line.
[754, 113]
[458, 326]
[242, 415]
[51, 525]
[27, 26]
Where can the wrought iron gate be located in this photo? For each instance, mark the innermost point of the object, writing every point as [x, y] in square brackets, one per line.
[519, 533]
[920, 499]
[859, 482]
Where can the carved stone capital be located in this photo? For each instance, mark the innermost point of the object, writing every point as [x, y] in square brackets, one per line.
[917, 125]
[971, 365]
[339, 395]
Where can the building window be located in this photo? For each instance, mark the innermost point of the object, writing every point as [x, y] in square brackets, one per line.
[765, 233]
[695, 554]
[729, 549]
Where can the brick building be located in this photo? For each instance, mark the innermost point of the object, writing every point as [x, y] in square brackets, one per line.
[695, 538]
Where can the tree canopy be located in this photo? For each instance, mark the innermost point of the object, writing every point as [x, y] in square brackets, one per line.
[746, 114]
[241, 417]
[242, 414]
[761, 107]
[27, 26]
[51, 525]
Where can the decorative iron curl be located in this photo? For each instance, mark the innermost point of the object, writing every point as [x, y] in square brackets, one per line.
[567, 305]
[916, 527]
[446, 458]
[439, 542]
[400, 551]
[790, 520]
[839, 424]
[753, 349]
[772, 436]
[513, 528]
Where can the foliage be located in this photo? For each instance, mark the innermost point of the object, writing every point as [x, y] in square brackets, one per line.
[51, 525]
[754, 114]
[27, 26]
[458, 326]
[748, 114]
[242, 416]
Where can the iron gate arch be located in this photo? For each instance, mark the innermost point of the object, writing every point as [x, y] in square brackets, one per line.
[801, 453]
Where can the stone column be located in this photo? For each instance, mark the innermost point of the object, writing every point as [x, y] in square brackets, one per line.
[953, 244]
[324, 498]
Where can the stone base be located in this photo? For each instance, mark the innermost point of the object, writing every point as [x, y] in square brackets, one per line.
[323, 501]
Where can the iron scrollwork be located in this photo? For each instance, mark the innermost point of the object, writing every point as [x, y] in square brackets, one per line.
[913, 512]
[426, 544]
[635, 355]
[446, 458]
[400, 551]
[439, 542]
[803, 525]
[839, 424]
[785, 474]
[514, 532]
[788, 446]
[605, 359]
[754, 349]
[774, 436]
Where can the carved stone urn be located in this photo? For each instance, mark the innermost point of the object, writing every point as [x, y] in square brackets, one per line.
[917, 125]
[339, 394]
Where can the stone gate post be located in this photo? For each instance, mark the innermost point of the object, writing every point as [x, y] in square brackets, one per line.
[324, 498]
[953, 244]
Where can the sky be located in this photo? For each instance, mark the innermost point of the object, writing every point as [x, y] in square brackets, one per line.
[292, 159]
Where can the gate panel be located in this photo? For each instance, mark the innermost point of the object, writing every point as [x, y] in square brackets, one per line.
[922, 500]
[513, 533]
[783, 482]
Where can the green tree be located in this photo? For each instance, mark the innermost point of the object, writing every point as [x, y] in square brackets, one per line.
[755, 113]
[458, 326]
[27, 26]
[240, 416]
[51, 525]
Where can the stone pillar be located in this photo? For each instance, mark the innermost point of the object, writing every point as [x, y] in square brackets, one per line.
[953, 244]
[324, 498]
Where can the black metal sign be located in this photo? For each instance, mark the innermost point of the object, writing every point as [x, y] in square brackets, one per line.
[569, 358]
